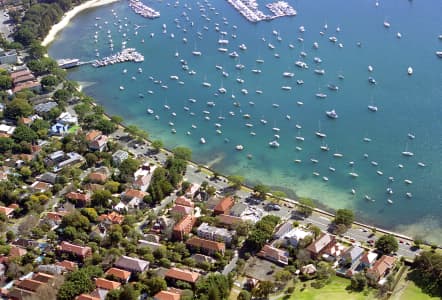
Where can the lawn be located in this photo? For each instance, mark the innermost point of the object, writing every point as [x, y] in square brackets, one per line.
[413, 292]
[333, 291]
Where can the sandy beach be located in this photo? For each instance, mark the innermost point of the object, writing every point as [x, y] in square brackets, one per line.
[71, 14]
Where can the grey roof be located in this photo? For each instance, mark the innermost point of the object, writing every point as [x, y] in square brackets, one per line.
[283, 229]
[354, 252]
[48, 177]
[45, 107]
[132, 264]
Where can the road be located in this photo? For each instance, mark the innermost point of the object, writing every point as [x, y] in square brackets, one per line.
[231, 265]
[353, 235]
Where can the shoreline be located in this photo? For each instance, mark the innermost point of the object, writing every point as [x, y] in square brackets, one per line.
[68, 16]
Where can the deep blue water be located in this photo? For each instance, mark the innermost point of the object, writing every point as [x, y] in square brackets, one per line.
[407, 104]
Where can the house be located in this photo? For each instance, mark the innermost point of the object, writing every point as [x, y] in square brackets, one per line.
[40, 187]
[77, 251]
[32, 85]
[68, 265]
[47, 177]
[87, 297]
[295, 235]
[381, 267]
[229, 221]
[46, 107]
[333, 251]
[184, 202]
[6, 130]
[183, 227]
[283, 230]
[201, 258]
[59, 129]
[167, 295]
[7, 211]
[15, 251]
[97, 141]
[152, 245]
[205, 246]
[67, 118]
[97, 177]
[119, 156]
[111, 218]
[131, 264]
[223, 206]
[8, 56]
[192, 189]
[309, 269]
[54, 158]
[215, 234]
[25, 243]
[274, 254]
[175, 274]
[368, 259]
[105, 284]
[317, 247]
[352, 255]
[58, 159]
[181, 210]
[142, 176]
[119, 274]
[79, 199]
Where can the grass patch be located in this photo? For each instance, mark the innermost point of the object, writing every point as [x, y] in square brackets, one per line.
[336, 290]
[412, 291]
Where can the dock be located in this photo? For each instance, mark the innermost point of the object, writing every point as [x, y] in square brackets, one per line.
[143, 10]
[126, 55]
[250, 10]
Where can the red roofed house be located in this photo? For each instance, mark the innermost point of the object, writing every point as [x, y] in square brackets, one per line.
[97, 177]
[56, 216]
[81, 252]
[122, 275]
[7, 211]
[229, 221]
[79, 199]
[184, 202]
[15, 251]
[68, 265]
[111, 218]
[131, 193]
[174, 274]
[274, 254]
[223, 207]
[381, 267]
[86, 297]
[96, 140]
[105, 284]
[206, 246]
[182, 210]
[167, 295]
[183, 227]
[40, 186]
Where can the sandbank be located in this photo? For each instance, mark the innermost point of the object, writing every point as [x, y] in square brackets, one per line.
[68, 16]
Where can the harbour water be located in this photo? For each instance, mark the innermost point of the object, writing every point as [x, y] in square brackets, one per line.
[406, 104]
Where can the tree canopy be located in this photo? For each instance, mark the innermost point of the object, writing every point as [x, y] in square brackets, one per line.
[428, 272]
[387, 244]
[344, 217]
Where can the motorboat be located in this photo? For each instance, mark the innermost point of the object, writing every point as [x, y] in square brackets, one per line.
[320, 71]
[239, 147]
[439, 53]
[372, 80]
[353, 174]
[274, 144]
[202, 140]
[407, 153]
[288, 74]
[321, 95]
[373, 108]
[333, 87]
[410, 71]
[332, 114]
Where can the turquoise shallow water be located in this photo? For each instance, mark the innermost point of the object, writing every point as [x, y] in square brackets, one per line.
[407, 104]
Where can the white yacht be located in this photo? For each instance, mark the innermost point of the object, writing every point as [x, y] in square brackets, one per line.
[274, 144]
[410, 71]
[202, 140]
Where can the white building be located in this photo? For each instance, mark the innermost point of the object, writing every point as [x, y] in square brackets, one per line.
[212, 233]
[295, 235]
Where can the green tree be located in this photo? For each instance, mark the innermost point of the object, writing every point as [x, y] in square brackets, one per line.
[344, 216]
[155, 284]
[214, 286]
[182, 153]
[263, 289]
[236, 181]
[261, 191]
[128, 293]
[18, 108]
[387, 244]
[157, 145]
[49, 80]
[62, 95]
[427, 272]
[101, 198]
[24, 133]
[358, 282]
[36, 50]
[127, 168]
[306, 206]
[5, 82]
[244, 295]
[6, 144]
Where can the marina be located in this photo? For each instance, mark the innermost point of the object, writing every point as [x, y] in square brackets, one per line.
[143, 10]
[126, 55]
[249, 9]
[239, 99]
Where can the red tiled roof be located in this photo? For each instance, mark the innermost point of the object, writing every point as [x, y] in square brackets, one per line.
[183, 210]
[382, 265]
[224, 205]
[107, 284]
[69, 265]
[17, 251]
[29, 284]
[134, 194]
[228, 220]
[112, 217]
[6, 210]
[167, 295]
[82, 251]
[320, 243]
[92, 135]
[25, 85]
[78, 196]
[97, 177]
[118, 273]
[184, 202]
[86, 297]
[206, 244]
[186, 222]
[42, 277]
[183, 275]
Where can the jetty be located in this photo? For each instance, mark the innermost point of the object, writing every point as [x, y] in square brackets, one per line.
[128, 54]
[143, 10]
[250, 10]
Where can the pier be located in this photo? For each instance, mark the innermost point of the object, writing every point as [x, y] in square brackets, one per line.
[250, 10]
[129, 54]
[143, 10]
